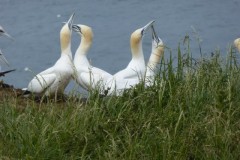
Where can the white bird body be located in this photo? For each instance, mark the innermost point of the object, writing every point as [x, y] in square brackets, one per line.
[135, 70]
[87, 76]
[119, 85]
[54, 80]
[237, 44]
[155, 57]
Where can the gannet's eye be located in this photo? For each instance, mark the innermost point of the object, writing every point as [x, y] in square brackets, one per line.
[1, 31]
[77, 28]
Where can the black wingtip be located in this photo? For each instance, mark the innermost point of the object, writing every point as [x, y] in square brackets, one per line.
[5, 72]
[26, 92]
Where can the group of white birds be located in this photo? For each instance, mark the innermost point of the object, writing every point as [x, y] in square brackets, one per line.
[53, 81]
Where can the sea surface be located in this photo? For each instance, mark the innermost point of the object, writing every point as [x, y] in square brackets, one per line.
[35, 26]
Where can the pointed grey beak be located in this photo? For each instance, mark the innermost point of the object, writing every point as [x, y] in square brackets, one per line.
[8, 36]
[154, 35]
[3, 59]
[70, 21]
[145, 28]
[4, 33]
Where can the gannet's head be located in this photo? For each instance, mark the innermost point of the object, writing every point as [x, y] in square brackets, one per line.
[3, 59]
[157, 43]
[66, 32]
[4, 33]
[137, 35]
[237, 44]
[84, 31]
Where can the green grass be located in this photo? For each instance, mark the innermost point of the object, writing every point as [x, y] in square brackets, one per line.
[192, 112]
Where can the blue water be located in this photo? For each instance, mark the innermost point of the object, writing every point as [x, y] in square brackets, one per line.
[35, 25]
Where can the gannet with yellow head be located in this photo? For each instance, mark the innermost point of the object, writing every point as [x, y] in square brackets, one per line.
[155, 57]
[54, 80]
[86, 75]
[135, 70]
[237, 44]
[136, 67]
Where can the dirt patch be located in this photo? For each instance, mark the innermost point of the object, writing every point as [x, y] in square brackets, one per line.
[16, 96]
[8, 91]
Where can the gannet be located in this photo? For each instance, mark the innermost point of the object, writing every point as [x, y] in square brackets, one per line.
[237, 44]
[135, 70]
[54, 80]
[156, 54]
[86, 75]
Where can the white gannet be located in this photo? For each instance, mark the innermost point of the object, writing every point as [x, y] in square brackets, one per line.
[54, 80]
[237, 44]
[135, 70]
[86, 75]
[156, 54]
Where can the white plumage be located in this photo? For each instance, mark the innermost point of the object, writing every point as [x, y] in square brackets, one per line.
[54, 80]
[237, 44]
[86, 75]
[135, 70]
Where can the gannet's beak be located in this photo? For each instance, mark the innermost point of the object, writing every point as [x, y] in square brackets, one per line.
[3, 59]
[70, 21]
[4, 33]
[145, 28]
[155, 36]
[8, 36]
[76, 28]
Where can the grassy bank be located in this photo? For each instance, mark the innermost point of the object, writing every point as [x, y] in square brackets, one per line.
[192, 112]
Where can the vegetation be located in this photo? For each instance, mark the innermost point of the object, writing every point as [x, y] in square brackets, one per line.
[191, 112]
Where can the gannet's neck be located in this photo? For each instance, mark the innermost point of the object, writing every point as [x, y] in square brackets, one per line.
[80, 57]
[86, 34]
[136, 45]
[81, 60]
[156, 55]
[84, 46]
[65, 40]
